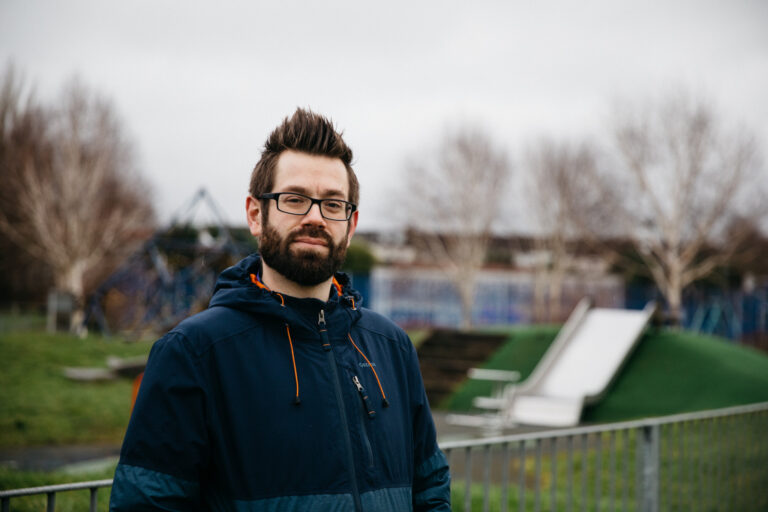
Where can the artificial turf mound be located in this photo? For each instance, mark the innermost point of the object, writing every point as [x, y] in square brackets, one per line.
[669, 372]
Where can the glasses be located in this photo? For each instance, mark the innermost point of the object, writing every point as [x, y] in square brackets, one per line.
[299, 204]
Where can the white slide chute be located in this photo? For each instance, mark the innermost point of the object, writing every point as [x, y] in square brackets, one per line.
[576, 370]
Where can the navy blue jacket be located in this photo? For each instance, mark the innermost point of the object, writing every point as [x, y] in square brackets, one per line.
[265, 402]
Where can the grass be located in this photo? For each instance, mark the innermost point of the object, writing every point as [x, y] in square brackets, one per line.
[18, 321]
[39, 406]
[669, 372]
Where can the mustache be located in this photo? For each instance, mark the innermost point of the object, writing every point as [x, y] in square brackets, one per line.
[313, 232]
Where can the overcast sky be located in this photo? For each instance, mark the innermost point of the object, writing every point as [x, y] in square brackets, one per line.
[200, 85]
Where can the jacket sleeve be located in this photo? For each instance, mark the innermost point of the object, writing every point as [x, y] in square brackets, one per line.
[432, 479]
[165, 448]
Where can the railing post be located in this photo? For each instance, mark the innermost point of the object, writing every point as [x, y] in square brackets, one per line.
[94, 499]
[650, 468]
[468, 478]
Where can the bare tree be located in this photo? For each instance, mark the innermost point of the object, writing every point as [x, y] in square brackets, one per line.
[75, 202]
[23, 135]
[680, 180]
[562, 197]
[454, 197]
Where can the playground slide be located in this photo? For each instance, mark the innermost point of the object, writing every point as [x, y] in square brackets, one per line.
[578, 367]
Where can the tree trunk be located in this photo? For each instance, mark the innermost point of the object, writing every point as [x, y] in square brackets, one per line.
[72, 281]
[674, 296]
[466, 295]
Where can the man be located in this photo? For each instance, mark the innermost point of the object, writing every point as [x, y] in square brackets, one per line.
[285, 394]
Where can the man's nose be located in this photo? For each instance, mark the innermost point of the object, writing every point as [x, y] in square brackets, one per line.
[314, 215]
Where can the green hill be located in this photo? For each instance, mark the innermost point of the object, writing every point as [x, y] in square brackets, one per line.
[39, 406]
[669, 372]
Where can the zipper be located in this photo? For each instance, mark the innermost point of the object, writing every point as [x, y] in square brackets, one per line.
[370, 413]
[366, 404]
[342, 409]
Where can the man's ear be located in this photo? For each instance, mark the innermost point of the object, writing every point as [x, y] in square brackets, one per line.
[253, 214]
[352, 227]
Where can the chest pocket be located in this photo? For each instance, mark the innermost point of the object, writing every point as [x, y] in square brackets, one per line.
[382, 434]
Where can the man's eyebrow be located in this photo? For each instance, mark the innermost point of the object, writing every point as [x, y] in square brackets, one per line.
[331, 192]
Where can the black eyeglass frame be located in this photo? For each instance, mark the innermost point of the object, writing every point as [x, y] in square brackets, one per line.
[350, 208]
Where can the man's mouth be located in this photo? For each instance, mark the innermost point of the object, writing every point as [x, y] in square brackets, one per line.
[311, 241]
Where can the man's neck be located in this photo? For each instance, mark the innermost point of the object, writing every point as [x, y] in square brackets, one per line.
[280, 284]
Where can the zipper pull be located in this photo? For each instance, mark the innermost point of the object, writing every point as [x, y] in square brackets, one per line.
[323, 330]
[364, 396]
[321, 319]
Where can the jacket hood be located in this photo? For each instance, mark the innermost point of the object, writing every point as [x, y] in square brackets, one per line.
[235, 289]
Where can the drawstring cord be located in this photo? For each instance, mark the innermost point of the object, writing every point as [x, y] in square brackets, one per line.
[255, 280]
[297, 400]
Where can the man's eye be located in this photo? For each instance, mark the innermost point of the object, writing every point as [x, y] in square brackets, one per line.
[334, 205]
[294, 200]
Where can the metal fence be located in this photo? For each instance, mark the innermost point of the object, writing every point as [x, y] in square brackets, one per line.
[708, 461]
[50, 493]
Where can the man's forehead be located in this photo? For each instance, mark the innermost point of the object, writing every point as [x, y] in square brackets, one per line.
[298, 171]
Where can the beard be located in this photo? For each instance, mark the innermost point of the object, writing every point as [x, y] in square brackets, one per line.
[304, 267]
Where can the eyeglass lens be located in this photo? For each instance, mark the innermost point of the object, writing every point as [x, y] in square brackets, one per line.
[331, 209]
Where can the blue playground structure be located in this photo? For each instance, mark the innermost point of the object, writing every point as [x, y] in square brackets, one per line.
[734, 314]
[169, 278]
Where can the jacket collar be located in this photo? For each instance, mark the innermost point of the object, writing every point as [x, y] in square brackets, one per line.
[237, 289]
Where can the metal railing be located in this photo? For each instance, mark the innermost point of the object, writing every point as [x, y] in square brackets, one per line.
[50, 492]
[713, 461]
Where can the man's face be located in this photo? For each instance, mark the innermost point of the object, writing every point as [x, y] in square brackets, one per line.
[306, 249]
